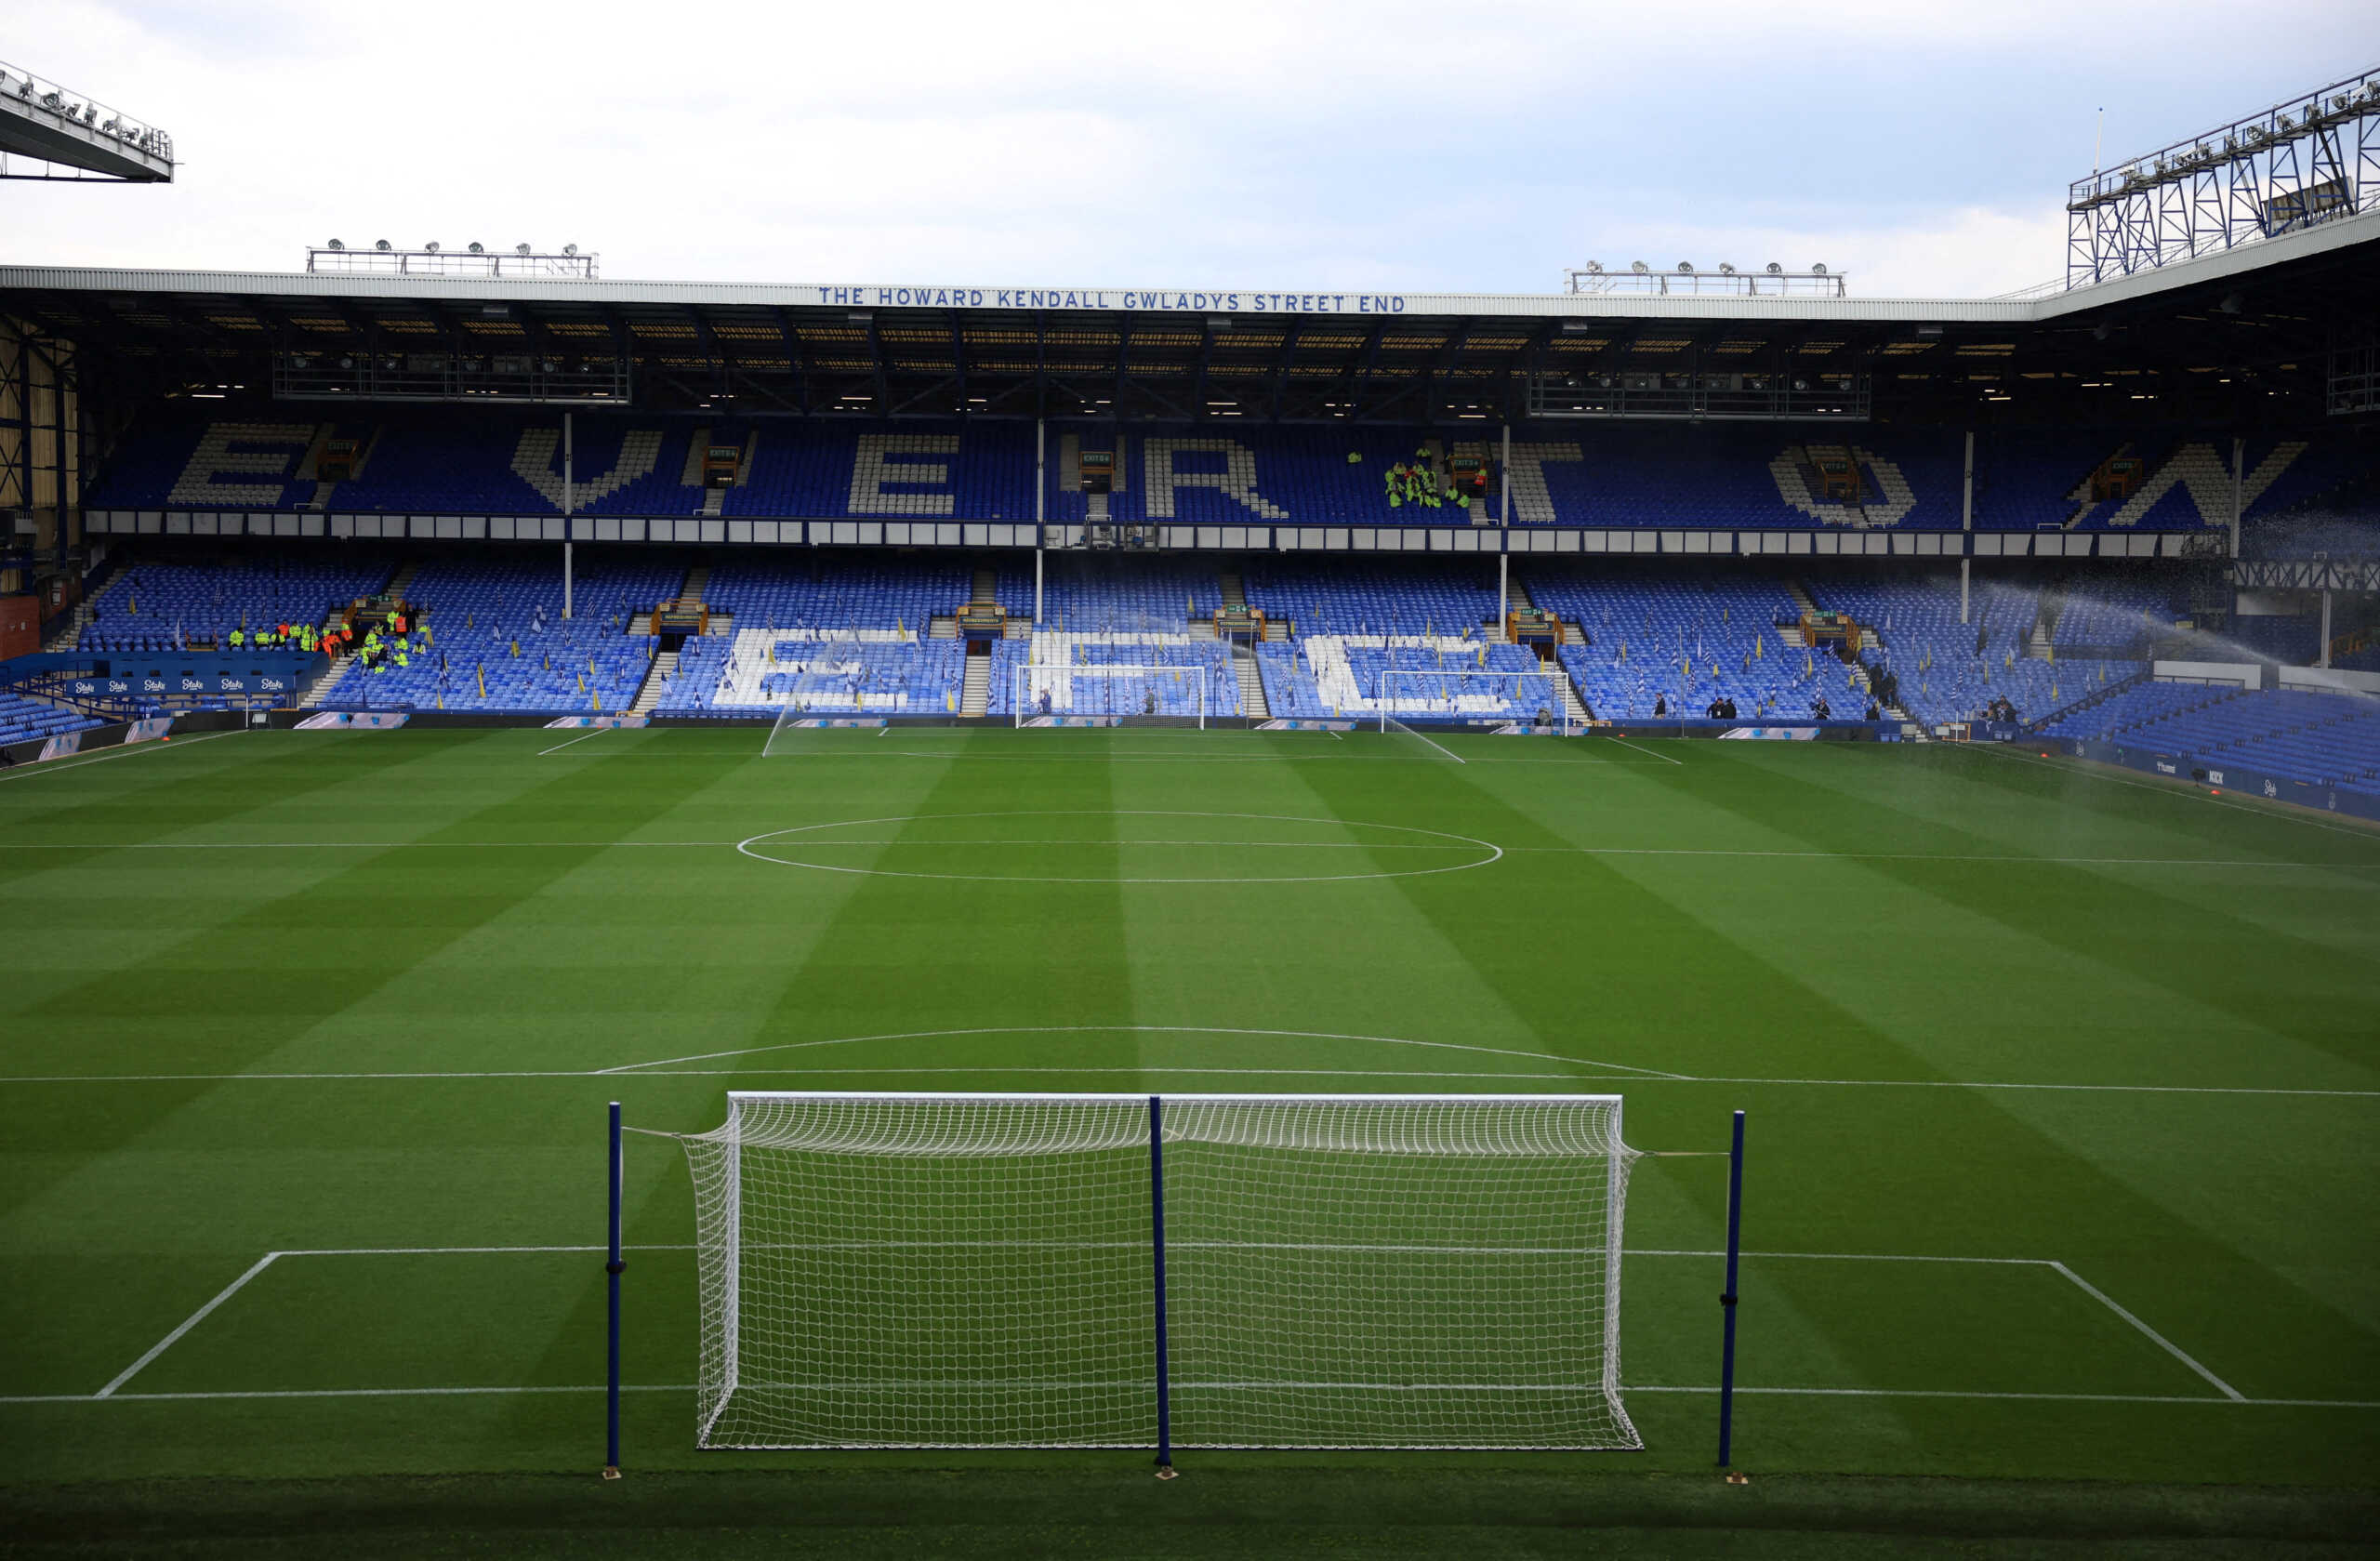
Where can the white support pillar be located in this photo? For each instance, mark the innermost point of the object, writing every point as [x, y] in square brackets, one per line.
[2324, 658]
[569, 497]
[1966, 526]
[1505, 482]
[1967, 521]
[1040, 508]
[2238, 478]
[1966, 488]
[1503, 590]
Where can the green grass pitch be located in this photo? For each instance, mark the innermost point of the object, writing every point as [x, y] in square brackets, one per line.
[2063, 1087]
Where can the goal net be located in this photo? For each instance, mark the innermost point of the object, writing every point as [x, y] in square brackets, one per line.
[1109, 693]
[956, 1270]
[1487, 696]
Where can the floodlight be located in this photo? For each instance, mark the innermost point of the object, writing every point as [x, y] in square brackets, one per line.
[570, 249]
[1775, 270]
[1819, 269]
[382, 244]
[430, 248]
[519, 249]
[1726, 269]
[338, 246]
[1594, 267]
[1639, 266]
[1686, 267]
[478, 248]
[347, 362]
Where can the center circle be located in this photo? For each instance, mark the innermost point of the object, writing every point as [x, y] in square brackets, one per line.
[1139, 847]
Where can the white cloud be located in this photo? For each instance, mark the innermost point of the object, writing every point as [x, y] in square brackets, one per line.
[1247, 142]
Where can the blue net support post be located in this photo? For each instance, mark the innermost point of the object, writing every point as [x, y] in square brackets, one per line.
[1156, 1260]
[613, 1268]
[1728, 1303]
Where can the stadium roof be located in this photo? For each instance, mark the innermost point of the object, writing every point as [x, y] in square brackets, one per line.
[2257, 319]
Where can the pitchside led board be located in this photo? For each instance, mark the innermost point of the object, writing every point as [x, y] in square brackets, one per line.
[136, 677]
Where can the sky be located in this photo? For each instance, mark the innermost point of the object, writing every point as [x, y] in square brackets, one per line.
[1923, 149]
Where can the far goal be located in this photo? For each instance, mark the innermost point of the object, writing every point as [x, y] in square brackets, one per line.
[1483, 697]
[1132, 1271]
[1101, 693]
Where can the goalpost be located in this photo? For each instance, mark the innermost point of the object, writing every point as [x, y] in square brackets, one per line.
[1137, 1271]
[1102, 694]
[1479, 697]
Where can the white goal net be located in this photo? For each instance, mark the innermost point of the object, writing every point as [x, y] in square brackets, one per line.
[1116, 694]
[952, 1270]
[1486, 696]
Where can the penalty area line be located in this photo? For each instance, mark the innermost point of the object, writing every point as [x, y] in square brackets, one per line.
[124, 750]
[580, 738]
[162, 1345]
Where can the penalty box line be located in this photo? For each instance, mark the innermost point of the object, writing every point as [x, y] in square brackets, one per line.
[2230, 1394]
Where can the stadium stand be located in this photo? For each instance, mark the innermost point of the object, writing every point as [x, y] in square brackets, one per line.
[1374, 595]
[23, 720]
[2331, 738]
[163, 605]
[1721, 477]
[499, 642]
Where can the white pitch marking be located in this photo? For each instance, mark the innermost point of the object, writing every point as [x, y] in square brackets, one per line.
[2177, 790]
[2230, 1394]
[162, 1345]
[1496, 853]
[2096, 1294]
[1135, 1029]
[690, 1387]
[1589, 1069]
[1302, 845]
[122, 750]
[580, 738]
[1663, 757]
[1440, 746]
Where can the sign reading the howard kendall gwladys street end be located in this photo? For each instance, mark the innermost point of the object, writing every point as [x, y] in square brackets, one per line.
[1169, 300]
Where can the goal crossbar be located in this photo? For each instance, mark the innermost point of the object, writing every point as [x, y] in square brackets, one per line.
[953, 1269]
[1111, 693]
[1474, 696]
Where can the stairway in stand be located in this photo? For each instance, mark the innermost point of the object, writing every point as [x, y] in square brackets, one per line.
[1251, 683]
[1573, 707]
[665, 666]
[323, 687]
[1234, 595]
[976, 697]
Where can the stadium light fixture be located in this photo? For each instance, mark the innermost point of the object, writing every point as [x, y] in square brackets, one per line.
[430, 248]
[1594, 267]
[1726, 268]
[1639, 266]
[1774, 269]
[383, 246]
[477, 247]
[1686, 267]
[570, 249]
[337, 247]
[520, 249]
[1818, 267]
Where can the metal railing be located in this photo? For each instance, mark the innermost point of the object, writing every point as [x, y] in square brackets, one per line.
[1773, 281]
[385, 259]
[68, 107]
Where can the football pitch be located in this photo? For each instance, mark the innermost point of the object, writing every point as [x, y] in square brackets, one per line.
[2063, 1087]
